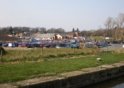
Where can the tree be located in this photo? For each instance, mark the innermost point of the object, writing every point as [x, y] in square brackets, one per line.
[42, 30]
[120, 20]
[117, 25]
[51, 30]
[77, 29]
[73, 30]
[59, 30]
[110, 24]
[54, 30]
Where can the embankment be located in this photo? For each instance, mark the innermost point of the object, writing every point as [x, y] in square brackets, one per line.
[75, 79]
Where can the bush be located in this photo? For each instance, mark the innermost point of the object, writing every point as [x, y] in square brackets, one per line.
[2, 51]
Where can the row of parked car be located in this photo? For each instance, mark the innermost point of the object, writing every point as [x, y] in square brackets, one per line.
[47, 44]
[99, 44]
[13, 44]
[54, 44]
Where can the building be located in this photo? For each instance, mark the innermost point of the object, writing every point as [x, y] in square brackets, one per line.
[8, 38]
[47, 36]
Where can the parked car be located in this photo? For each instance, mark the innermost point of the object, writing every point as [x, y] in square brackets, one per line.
[90, 45]
[0, 43]
[63, 45]
[22, 44]
[33, 44]
[102, 44]
[74, 45]
[16, 44]
[13, 44]
[50, 45]
[5, 44]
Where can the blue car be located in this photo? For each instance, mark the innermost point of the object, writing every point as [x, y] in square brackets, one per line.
[74, 45]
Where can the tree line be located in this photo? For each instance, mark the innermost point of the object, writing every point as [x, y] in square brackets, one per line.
[14, 30]
[114, 28]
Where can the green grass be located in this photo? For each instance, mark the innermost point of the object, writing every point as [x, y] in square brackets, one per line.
[25, 70]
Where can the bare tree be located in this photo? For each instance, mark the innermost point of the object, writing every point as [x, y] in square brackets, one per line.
[120, 20]
[110, 23]
[42, 30]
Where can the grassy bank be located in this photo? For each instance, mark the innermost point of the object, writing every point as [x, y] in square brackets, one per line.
[38, 54]
[10, 72]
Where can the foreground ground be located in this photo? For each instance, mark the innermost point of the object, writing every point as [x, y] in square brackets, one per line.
[25, 64]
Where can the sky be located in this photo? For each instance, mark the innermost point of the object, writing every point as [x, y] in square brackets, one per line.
[66, 14]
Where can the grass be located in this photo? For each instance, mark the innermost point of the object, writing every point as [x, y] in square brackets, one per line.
[39, 54]
[14, 72]
[11, 72]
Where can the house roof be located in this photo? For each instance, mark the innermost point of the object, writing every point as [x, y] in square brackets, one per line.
[48, 35]
[40, 36]
[7, 38]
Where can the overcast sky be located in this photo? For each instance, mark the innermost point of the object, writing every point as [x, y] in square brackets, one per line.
[84, 14]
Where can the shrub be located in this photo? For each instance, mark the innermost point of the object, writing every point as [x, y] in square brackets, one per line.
[2, 51]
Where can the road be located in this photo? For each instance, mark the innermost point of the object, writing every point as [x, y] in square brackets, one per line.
[113, 47]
